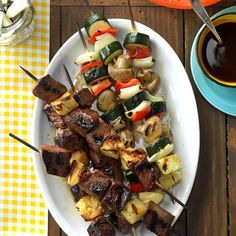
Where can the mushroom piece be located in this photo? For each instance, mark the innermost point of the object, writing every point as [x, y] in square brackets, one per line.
[127, 137]
[149, 79]
[121, 69]
[151, 129]
[106, 100]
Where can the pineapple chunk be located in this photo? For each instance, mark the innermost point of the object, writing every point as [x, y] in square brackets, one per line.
[146, 197]
[64, 104]
[134, 210]
[167, 181]
[90, 207]
[169, 164]
[112, 145]
[75, 173]
[131, 156]
[80, 156]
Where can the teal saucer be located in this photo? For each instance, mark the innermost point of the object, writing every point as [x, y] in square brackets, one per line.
[223, 98]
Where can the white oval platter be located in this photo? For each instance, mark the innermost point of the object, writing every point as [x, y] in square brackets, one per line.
[181, 106]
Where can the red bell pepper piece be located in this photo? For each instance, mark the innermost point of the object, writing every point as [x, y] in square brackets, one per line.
[137, 187]
[98, 88]
[120, 85]
[139, 115]
[89, 65]
[92, 39]
[139, 53]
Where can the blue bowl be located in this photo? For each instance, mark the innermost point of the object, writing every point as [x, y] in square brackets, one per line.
[223, 98]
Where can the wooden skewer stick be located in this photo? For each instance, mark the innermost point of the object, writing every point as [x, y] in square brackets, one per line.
[171, 195]
[82, 37]
[89, 7]
[69, 79]
[133, 231]
[23, 142]
[131, 17]
[29, 73]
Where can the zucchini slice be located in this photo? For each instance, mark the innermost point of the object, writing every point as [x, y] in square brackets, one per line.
[136, 39]
[113, 114]
[137, 99]
[95, 74]
[94, 23]
[110, 51]
[158, 107]
[161, 144]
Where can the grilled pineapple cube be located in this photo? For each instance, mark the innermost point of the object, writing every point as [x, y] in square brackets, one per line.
[80, 156]
[90, 207]
[64, 104]
[112, 145]
[169, 164]
[146, 197]
[134, 210]
[75, 173]
[167, 181]
[131, 156]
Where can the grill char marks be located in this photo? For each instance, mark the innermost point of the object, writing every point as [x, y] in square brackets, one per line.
[48, 89]
[96, 184]
[100, 227]
[117, 196]
[82, 121]
[95, 139]
[119, 221]
[68, 139]
[147, 173]
[54, 119]
[56, 160]
[158, 220]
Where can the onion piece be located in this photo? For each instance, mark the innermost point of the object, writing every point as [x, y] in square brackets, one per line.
[144, 62]
[127, 93]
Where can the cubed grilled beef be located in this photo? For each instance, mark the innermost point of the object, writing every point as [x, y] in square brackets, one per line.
[48, 89]
[85, 98]
[113, 169]
[56, 159]
[77, 192]
[82, 121]
[147, 173]
[119, 221]
[117, 196]
[54, 119]
[68, 139]
[96, 184]
[95, 139]
[157, 220]
[100, 227]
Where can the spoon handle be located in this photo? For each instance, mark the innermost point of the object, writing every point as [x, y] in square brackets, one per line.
[202, 13]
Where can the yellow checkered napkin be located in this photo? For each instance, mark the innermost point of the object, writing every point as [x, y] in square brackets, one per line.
[22, 210]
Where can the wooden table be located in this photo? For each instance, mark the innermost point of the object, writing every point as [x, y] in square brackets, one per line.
[212, 203]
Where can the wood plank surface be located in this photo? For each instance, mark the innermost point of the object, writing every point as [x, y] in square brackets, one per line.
[231, 143]
[144, 3]
[212, 203]
[207, 206]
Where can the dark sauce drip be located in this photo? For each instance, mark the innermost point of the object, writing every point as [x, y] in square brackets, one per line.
[220, 60]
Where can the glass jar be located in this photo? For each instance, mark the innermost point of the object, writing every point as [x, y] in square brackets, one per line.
[21, 28]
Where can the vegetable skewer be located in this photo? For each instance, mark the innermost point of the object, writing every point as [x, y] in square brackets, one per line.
[89, 7]
[131, 17]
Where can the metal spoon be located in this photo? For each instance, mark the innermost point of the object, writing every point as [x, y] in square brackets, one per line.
[201, 12]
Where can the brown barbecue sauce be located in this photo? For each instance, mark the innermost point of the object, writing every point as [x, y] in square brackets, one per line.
[220, 60]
